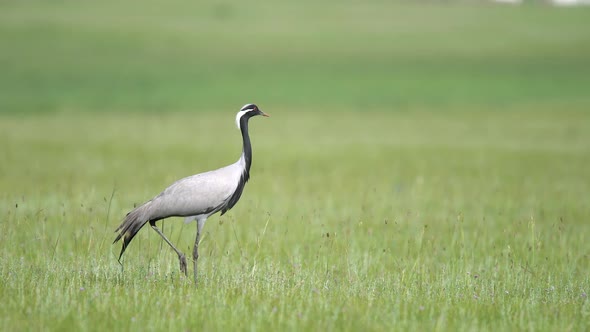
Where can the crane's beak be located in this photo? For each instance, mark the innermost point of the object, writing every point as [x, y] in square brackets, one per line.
[264, 114]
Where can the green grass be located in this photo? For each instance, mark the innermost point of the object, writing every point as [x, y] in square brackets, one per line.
[379, 221]
[425, 166]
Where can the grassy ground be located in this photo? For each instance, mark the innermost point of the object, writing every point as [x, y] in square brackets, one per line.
[412, 176]
[406, 221]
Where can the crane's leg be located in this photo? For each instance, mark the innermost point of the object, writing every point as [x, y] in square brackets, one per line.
[181, 256]
[200, 224]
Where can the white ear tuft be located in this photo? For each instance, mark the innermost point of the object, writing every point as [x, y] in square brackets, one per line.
[247, 107]
[239, 116]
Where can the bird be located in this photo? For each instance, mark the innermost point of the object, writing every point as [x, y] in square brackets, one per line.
[195, 197]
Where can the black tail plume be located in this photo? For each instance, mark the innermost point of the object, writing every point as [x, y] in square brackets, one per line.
[133, 222]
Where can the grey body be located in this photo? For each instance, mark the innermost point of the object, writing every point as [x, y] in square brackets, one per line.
[195, 197]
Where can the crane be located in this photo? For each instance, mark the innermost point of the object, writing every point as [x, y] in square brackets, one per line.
[196, 197]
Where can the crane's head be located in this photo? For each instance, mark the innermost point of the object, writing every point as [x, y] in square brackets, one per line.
[248, 111]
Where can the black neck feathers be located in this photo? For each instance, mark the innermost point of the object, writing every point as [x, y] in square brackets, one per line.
[247, 146]
[247, 155]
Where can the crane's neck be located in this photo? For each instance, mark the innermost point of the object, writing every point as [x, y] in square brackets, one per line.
[247, 147]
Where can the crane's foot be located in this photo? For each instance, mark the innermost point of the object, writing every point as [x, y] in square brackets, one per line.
[183, 268]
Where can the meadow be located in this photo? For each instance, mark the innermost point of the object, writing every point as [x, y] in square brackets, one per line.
[425, 165]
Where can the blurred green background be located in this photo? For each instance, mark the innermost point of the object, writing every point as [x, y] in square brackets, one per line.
[328, 55]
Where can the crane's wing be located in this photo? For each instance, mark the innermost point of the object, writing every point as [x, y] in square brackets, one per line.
[204, 193]
[198, 194]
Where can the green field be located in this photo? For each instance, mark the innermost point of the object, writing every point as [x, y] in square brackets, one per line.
[425, 166]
